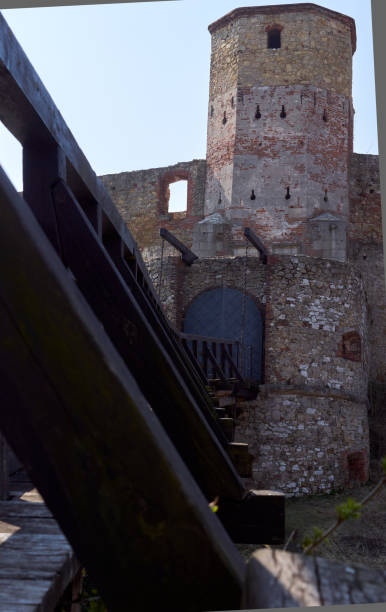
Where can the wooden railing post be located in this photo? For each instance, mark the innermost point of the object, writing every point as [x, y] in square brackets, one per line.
[43, 164]
[205, 358]
[3, 469]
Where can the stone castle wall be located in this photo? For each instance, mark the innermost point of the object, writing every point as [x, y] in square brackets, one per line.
[305, 443]
[311, 304]
[142, 199]
[280, 161]
[310, 417]
[366, 252]
[317, 45]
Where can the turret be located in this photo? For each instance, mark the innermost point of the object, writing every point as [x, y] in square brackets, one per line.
[280, 131]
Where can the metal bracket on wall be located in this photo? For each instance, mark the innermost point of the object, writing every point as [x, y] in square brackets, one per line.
[257, 243]
[188, 256]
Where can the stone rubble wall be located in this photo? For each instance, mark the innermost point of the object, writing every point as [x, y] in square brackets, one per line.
[311, 303]
[311, 413]
[316, 48]
[301, 443]
[142, 200]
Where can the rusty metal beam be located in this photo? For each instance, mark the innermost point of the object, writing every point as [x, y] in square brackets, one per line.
[188, 256]
[257, 243]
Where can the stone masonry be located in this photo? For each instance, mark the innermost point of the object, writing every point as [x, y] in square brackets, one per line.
[280, 161]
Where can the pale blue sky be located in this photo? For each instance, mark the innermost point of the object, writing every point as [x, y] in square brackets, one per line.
[131, 80]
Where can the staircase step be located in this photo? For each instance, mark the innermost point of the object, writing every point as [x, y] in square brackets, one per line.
[223, 392]
[228, 427]
[257, 519]
[226, 401]
[241, 458]
[220, 412]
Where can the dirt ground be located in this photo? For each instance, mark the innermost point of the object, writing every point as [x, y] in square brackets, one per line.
[358, 541]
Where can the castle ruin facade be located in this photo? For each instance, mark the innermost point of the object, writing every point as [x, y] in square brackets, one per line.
[280, 161]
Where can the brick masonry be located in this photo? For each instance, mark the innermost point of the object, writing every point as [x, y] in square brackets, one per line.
[322, 293]
[280, 126]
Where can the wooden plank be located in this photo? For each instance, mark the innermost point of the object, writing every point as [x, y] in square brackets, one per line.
[214, 363]
[127, 327]
[15, 591]
[18, 607]
[39, 542]
[279, 579]
[4, 484]
[232, 366]
[192, 337]
[39, 589]
[37, 525]
[241, 458]
[193, 377]
[42, 165]
[13, 563]
[33, 551]
[29, 113]
[78, 396]
[193, 361]
[228, 426]
[18, 509]
[257, 519]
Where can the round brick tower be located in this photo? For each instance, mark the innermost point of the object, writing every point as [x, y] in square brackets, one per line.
[279, 131]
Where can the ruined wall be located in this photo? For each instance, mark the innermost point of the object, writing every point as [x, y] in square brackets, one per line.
[318, 45]
[366, 252]
[311, 304]
[305, 444]
[365, 200]
[280, 123]
[308, 428]
[142, 200]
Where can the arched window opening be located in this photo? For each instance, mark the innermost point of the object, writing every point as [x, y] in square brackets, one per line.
[274, 39]
[178, 198]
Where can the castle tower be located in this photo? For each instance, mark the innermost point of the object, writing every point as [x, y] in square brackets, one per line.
[279, 131]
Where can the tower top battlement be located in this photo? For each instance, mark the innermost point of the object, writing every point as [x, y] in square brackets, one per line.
[249, 11]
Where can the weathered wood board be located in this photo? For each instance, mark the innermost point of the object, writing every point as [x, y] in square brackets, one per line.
[50, 153]
[148, 361]
[92, 444]
[3, 468]
[279, 579]
[36, 560]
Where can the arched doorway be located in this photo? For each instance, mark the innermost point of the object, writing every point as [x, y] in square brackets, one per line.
[218, 313]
